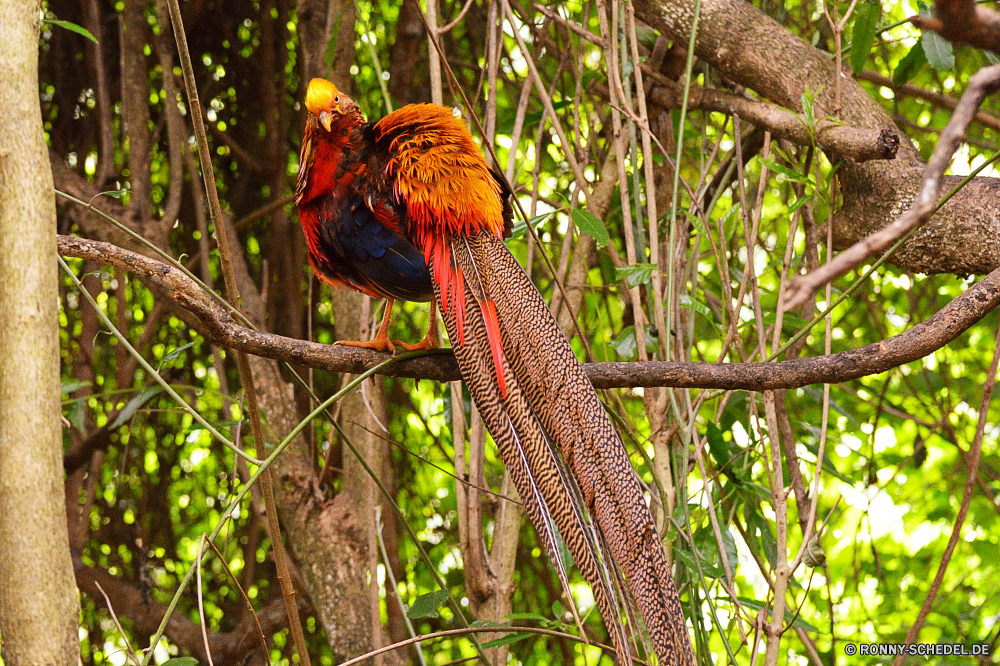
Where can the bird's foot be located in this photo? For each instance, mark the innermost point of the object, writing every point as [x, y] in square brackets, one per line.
[428, 343]
[380, 342]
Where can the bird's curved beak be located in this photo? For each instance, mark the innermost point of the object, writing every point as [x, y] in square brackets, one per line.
[326, 120]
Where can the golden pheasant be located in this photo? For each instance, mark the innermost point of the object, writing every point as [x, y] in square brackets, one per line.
[407, 207]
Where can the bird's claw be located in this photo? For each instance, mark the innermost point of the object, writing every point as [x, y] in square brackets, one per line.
[426, 344]
[380, 343]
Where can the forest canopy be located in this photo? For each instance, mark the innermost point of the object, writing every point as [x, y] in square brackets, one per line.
[820, 456]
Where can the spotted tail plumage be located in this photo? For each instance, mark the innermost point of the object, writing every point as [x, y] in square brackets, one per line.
[550, 414]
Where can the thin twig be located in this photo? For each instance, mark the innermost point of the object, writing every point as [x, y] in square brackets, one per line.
[201, 604]
[128, 646]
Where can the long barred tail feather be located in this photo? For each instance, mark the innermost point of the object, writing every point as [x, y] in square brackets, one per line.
[549, 403]
[526, 451]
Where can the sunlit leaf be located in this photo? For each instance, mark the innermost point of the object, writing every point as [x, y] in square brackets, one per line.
[72, 27]
[426, 605]
[588, 223]
[635, 274]
[520, 228]
[866, 16]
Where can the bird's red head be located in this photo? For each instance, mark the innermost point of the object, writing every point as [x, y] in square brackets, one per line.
[327, 104]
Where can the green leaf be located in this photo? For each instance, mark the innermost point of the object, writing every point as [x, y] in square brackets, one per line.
[626, 346]
[807, 110]
[76, 415]
[697, 306]
[992, 57]
[790, 174]
[181, 661]
[863, 33]
[520, 228]
[133, 405]
[799, 622]
[70, 385]
[938, 50]
[799, 203]
[506, 640]
[174, 354]
[426, 605]
[688, 561]
[635, 274]
[909, 65]
[589, 224]
[72, 27]
[717, 445]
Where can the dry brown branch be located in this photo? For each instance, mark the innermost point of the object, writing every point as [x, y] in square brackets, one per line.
[935, 98]
[983, 83]
[858, 143]
[965, 22]
[910, 345]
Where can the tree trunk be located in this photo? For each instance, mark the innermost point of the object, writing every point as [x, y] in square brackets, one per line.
[38, 603]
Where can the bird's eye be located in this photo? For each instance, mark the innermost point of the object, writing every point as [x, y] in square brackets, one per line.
[336, 100]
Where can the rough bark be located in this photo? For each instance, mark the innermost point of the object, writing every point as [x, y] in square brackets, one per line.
[38, 602]
[750, 48]
[327, 27]
[135, 108]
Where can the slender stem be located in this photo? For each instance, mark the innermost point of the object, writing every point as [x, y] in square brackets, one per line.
[152, 372]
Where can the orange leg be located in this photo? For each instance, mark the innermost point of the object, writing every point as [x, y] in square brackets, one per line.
[381, 341]
[429, 341]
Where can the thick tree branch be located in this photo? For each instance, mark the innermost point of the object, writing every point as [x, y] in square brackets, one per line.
[965, 22]
[748, 47]
[910, 345]
[858, 143]
[802, 287]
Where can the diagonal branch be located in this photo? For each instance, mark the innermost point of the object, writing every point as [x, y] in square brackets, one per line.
[219, 326]
[982, 84]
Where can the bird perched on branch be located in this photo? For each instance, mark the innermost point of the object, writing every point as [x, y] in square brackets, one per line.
[407, 208]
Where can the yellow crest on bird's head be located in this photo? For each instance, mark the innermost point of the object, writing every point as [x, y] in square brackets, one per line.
[323, 96]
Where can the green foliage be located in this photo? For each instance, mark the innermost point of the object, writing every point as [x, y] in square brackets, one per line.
[895, 459]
